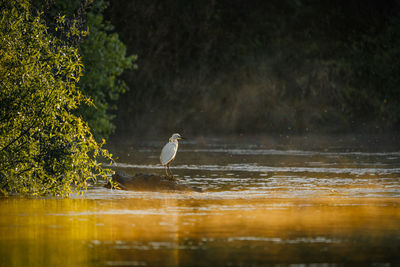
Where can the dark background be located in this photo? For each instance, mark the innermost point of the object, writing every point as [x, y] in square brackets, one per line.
[259, 67]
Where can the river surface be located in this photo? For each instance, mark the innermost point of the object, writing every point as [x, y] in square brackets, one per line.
[266, 202]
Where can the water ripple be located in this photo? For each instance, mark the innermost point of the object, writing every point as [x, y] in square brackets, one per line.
[394, 154]
[263, 169]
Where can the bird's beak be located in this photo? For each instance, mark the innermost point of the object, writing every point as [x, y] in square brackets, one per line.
[181, 137]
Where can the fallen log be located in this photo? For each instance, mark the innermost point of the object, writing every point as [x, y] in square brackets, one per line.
[149, 182]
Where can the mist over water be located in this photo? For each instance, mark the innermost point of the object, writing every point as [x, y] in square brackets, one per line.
[254, 168]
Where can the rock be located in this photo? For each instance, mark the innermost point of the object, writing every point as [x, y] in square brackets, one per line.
[149, 182]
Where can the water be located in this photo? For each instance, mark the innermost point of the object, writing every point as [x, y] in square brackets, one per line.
[264, 204]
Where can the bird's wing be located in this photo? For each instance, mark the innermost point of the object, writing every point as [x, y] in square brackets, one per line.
[168, 153]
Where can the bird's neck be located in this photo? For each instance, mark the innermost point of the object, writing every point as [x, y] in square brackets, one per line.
[173, 141]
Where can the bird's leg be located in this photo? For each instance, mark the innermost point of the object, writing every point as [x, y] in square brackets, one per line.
[166, 171]
[172, 176]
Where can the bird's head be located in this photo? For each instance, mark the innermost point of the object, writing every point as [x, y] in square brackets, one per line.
[175, 136]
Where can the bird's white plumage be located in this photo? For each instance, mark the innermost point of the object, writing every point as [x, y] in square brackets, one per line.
[168, 152]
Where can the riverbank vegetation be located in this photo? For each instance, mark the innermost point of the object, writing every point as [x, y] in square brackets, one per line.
[46, 144]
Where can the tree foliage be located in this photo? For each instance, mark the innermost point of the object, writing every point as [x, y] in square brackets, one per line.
[104, 57]
[44, 147]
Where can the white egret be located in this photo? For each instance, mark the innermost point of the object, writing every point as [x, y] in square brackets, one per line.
[168, 152]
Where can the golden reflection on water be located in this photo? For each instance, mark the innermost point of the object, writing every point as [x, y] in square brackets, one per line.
[195, 230]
